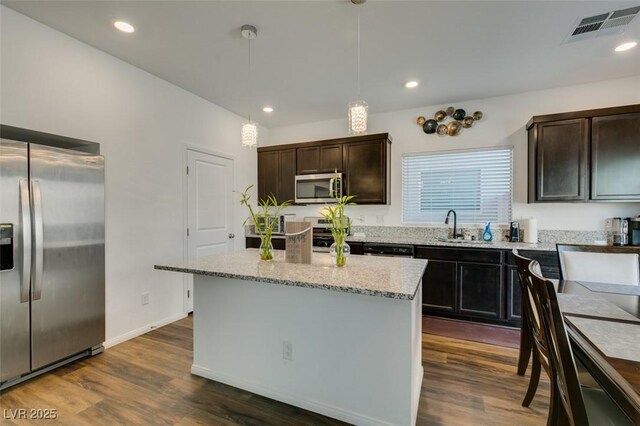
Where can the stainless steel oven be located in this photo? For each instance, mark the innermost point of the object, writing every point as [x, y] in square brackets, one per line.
[322, 188]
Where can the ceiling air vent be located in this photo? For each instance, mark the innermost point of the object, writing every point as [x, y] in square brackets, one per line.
[601, 25]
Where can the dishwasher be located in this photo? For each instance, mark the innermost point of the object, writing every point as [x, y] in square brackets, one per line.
[390, 250]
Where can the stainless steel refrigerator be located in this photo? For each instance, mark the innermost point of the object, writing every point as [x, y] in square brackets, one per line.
[52, 274]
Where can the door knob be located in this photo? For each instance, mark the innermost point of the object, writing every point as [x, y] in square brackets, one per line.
[232, 236]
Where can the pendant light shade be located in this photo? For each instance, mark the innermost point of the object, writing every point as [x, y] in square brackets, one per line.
[249, 131]
[249, 135]
[358, 112]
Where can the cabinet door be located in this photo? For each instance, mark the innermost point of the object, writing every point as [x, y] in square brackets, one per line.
[365, 171]
[439, 286]
[308, 160]
[319, 159]
[330, 158]
[480, 290]
[561, 160]
[514, 294]
[268, 174]
[615, 157]
[286, 175]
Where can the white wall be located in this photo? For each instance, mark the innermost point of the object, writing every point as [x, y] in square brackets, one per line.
[53, 83]
[503, 124]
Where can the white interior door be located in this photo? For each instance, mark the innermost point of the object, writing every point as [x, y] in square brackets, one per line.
[209, 208]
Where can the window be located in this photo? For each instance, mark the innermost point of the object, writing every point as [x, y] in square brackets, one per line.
[476, 184]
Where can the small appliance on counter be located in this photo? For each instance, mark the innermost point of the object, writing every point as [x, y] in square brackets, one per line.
[619, 231]
[634, 231]
[514, 232]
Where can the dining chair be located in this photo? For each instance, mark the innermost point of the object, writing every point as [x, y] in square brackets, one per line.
[531, 334]
[603, 264]
[571, 404]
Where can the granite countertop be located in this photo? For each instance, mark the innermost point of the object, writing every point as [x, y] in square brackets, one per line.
[417, 241]
[390, 277]
[498, 245]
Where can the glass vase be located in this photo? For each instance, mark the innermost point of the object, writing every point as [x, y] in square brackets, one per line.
[266, 248]
[340, 253]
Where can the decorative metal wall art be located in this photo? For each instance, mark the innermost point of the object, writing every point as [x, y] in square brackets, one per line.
[459, 120]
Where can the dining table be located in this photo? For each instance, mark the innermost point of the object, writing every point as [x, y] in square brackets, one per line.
[603, 325]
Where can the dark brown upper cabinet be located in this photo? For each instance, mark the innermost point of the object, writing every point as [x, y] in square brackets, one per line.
[561, 150]
[276, 174]
[319, 159]
[582, 156]
[365, 162]
[366, 165]
[615, 157]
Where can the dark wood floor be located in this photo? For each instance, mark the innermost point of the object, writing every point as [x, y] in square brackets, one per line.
[146, 380]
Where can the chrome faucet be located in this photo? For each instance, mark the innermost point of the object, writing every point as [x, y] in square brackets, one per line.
[455, 223]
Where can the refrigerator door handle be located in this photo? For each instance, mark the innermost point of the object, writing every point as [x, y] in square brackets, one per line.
[38, 239]
[25, 218]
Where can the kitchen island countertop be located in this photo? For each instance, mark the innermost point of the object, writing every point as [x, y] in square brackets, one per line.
[396, 278]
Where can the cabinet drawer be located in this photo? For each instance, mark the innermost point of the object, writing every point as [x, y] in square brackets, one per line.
[546, 259]
[459, 255]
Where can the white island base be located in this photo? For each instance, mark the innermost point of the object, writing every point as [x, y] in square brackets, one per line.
[354, 357]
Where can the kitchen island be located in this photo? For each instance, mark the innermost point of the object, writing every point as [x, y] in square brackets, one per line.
[342, 342]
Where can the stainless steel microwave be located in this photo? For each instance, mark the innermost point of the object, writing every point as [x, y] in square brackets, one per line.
[322, 188]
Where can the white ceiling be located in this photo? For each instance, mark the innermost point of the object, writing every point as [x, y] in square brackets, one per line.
[304, 57]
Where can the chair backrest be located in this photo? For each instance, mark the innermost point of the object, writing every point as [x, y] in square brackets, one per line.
[563, 366]
[533, 320]
[604, 264]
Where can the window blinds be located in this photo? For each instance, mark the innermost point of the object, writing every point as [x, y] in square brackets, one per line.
[476, 184]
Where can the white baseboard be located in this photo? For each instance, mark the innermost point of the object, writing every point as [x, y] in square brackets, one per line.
[287, 398]
[142, 330]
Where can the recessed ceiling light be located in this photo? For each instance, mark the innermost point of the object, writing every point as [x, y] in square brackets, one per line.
[411, 84]
[125, 27]
[626, 46]
[267, 109]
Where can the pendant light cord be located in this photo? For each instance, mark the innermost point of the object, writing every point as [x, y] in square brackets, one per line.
[358, 53]
[249, 79]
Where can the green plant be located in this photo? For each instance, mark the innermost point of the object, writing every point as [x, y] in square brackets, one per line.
[263, 219]
[338, 225]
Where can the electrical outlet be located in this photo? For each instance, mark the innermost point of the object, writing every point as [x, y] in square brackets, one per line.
[608, 224]
[145, 298]
[287, 351]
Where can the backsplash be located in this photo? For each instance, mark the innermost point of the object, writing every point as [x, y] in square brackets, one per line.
[500, 233]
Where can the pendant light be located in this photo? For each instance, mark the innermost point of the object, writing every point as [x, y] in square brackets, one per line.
[358, 110]
[249, 132]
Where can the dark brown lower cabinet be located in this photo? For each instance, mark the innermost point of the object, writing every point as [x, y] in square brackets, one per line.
[480, 289]
[549, 266]
[440, 286]
[476, 284]
[514, 294]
